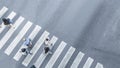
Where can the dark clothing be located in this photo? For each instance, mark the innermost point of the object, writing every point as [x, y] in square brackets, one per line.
[25, 50]
[6, 21]
[46, 49]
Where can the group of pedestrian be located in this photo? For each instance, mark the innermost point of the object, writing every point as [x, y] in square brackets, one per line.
[28, 45]
[28, 42]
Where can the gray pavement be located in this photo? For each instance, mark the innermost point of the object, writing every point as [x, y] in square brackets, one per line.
[89, 26]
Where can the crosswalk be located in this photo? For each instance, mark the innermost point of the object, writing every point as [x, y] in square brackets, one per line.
[31, 36]
[38, 46]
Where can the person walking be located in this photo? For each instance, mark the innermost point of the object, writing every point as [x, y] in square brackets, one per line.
[25, 51]
[48, 46]
[27, 42]
[7, 22]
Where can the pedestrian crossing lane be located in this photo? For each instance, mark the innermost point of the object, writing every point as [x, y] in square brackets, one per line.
[18, 55]
[11, 16]
[43, 56]
[56, 55]
[64, 60]
[3, 11]
[99, 65]
[18, 38]
[66, 57]
[77, 60]
[11, 31]
[88, 63]
[36, 47]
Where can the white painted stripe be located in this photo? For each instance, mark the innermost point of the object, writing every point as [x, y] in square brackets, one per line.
[11, 16]
[77, 60]
[99, 65]
[10, 32]
[18, 38]
[88, 63]
[66, 57]
[36, 47]
[56, 55]
[3, 11]
[43, 56]
[31, 36]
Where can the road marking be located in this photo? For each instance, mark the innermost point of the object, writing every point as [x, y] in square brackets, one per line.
[77, 60]
[67, 57]
[31, 36]
[18, 38]
[99, 65]
[56, 55]
[88, 63]
[11, 16]
[3, 11]
[10, 32]
[36, 47]
[43, 56]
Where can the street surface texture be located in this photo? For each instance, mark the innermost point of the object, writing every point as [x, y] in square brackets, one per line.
[85, 33]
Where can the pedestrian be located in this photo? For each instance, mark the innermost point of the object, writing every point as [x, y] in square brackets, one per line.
[47, 50]
[7, 21]
[27, 42]
[47, 47]
[47, 40]
[25, 51]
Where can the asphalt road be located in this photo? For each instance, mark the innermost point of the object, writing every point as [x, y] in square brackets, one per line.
[91, 26]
